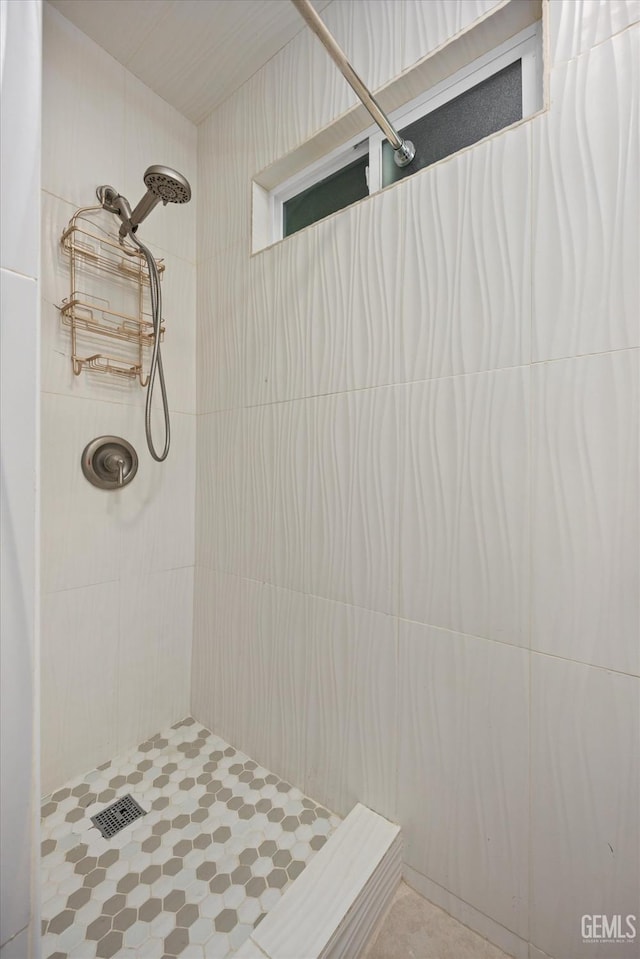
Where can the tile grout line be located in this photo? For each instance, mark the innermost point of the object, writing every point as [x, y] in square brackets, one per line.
[403, 619]
[406, 384]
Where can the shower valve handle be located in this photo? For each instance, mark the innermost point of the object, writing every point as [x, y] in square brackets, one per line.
[109, 462]
[116, 464]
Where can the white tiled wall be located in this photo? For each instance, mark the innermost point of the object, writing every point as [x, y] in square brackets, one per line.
[20, 114]
[417, 491]
[463, 767]
[583, 149]
[117, 570]
[584, 801]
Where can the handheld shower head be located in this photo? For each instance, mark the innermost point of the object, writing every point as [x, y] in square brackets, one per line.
[167, 184]
[163, 184]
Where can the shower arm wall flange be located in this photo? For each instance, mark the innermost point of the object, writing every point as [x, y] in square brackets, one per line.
[404, 150]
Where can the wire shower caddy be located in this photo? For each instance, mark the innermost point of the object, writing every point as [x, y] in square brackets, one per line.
[92, 251]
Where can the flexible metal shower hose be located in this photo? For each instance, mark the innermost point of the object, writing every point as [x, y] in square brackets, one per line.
[156, 356]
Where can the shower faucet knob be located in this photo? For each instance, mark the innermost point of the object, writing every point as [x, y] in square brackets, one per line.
[109, 462]
[115, 464]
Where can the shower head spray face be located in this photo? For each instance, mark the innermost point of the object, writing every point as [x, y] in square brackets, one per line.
[164, 184]
[167, 184]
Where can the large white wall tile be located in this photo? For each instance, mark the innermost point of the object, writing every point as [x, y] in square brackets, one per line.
[236, 490]
[91, 535]
[220, 490]
[301, 91]
[355, 289]
[260, 457]
[262, 326]
[286, 376]
[221, 331]
[587, 205]
[463, 768]
[253, 499]
[156, 522]
[80, 537]
[350, 737]
[224, 185]
[354, 498]
[83, 114]
[471, 10]
[154, 663]
[465, 293]
[464, 506]
[249, 672]
[225, 607]
[278, 667]
[245, 354]
[427, 25]
[585, 510]
[576, 27]
[80, 666]
[262, 99]
[371, 36]
[292, 545]
[585, 795]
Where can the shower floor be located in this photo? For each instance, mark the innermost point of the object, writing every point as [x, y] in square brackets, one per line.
[222, 840]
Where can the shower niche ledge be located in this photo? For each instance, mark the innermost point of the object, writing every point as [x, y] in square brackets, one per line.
[107, 309]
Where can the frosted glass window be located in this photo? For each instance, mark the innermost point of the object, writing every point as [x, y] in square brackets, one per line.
[328, 196]
[499, 88]
[491, 105]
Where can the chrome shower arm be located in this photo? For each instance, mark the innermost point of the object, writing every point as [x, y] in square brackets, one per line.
[404, 150]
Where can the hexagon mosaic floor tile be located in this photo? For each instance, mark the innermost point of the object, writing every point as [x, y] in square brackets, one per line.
[221, 840]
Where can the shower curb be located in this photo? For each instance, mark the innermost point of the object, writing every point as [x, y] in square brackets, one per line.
[333, 907]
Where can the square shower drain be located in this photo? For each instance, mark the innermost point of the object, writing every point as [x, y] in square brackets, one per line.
[118, 815]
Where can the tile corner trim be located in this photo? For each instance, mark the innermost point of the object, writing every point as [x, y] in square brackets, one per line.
[333, 908]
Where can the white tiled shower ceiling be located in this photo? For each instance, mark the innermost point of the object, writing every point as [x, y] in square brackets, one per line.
[191, 53]
[417, 491]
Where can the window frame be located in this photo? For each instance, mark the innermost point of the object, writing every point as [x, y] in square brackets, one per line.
[525, 46]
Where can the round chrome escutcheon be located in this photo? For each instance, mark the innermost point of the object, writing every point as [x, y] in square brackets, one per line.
[109, 462]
